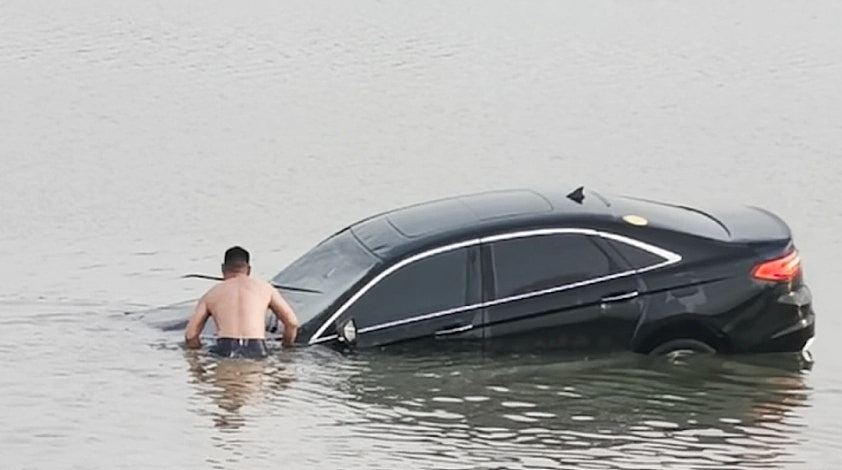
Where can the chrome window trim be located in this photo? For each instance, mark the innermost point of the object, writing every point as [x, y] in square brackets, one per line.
[426, 316]
[553, 290]
[668, 256]
[426, 254]
[325, 339]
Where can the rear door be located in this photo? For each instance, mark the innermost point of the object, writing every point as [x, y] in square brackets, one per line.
[558, 291]
[437, 296]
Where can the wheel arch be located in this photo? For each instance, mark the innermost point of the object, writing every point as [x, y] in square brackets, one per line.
[680, 328]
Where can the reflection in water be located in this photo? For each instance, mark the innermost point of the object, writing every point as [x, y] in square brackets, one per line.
[623, 411]
[474, 409]
[137, 137]
[235, 383]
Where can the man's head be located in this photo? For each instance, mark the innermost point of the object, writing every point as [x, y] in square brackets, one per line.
[236, 262]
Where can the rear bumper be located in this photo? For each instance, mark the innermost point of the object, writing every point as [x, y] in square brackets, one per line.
[793, 338]
[792, 321]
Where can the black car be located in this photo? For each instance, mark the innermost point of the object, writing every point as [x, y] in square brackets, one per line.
[548, 269]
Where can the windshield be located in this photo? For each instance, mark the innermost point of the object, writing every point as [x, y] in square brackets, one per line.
[331, 268]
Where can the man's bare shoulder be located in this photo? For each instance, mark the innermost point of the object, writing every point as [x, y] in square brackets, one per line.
[216, 291]
[265, 285]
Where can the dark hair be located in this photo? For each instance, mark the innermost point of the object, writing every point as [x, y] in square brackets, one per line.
[235, 258]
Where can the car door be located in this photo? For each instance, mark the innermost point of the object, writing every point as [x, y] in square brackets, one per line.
[436, 296]
[557, 290]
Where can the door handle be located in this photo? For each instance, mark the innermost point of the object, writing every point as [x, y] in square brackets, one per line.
[620, 297]
[451, 331]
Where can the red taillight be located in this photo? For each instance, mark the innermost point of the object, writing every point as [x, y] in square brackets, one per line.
[779, 270]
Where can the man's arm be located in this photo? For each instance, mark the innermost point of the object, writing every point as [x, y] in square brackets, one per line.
[285, 314]
[196, 325]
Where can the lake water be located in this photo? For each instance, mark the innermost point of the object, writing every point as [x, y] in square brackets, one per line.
[138, 140]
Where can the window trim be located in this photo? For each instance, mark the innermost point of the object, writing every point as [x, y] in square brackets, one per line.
[669, 257]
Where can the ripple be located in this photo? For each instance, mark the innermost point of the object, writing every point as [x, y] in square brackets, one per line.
[140, 136]
[517, 404]
[448, 400]
[520, 418]
[539, 414]
[476, 398]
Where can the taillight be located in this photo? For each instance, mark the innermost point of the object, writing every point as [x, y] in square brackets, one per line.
[779, 270]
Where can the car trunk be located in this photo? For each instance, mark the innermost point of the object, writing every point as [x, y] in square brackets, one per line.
[739, 224]
[752, 224]
[764, 231]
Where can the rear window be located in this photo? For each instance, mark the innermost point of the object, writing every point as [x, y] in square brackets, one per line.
[636, 257]
[331, 268]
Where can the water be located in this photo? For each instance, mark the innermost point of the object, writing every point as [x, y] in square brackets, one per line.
[138, 140]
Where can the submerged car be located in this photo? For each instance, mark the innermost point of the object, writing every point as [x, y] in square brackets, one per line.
[548, 269]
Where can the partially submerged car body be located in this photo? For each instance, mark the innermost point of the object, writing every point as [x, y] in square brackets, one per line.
[555, 270]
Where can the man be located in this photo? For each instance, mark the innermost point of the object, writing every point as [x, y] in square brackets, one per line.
[238, 307]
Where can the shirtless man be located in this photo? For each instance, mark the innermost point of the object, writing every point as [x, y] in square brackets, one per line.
[238, 306]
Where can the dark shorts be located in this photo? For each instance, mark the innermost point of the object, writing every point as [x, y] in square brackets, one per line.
[240, 347]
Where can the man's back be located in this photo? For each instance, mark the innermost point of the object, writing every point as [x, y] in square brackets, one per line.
[238, 307]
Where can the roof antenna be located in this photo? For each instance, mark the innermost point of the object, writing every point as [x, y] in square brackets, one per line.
[578, 195]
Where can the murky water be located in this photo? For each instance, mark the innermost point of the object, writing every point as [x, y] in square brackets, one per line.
[138, 140]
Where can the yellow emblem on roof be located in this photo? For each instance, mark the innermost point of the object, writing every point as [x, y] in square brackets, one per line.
[636, 220]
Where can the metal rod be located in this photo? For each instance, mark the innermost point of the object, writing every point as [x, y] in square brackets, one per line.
[276, 286]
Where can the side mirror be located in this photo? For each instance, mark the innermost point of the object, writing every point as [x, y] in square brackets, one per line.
[347, 332]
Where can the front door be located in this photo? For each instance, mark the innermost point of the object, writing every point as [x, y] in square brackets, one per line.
[435, 297]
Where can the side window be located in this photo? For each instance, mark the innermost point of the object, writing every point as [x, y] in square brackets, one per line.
[523, 265]
[636, 257]
[433, 284]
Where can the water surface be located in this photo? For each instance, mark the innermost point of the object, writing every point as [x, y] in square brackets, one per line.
[138, 140]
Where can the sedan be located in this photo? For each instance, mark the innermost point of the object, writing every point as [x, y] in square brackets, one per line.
[556, 270]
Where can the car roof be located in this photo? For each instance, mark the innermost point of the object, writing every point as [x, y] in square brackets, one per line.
[410, 229]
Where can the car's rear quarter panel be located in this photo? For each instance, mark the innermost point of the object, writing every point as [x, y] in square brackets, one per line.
[701, 295]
